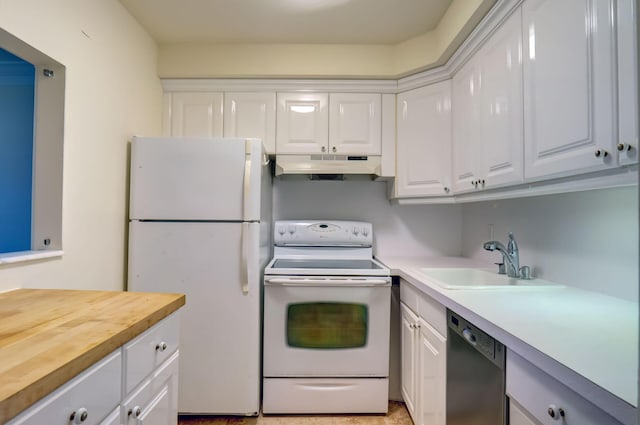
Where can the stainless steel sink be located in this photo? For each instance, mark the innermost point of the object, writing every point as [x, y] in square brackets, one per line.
[462, 278]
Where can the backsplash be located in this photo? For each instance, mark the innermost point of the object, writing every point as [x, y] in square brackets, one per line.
[409, 230]
[584, 239]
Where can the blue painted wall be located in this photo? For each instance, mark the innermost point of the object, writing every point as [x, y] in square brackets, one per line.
[17, 79]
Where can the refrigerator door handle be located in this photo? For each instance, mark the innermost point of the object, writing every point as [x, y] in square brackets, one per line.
[247, 179]
[244, 263]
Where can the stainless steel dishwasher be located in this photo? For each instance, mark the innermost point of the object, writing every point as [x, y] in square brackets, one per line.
[475, 375]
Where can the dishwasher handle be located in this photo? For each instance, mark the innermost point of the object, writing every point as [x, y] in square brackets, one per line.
[469, 336]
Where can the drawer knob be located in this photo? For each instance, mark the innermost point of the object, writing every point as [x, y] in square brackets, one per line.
[79, 416]
[624, 147]
[601, 153]
[334, 150]
[446, 189]
[555, 412]
[135, 412]
[161, 347]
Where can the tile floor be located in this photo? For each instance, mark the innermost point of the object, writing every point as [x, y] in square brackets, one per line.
[397, 415]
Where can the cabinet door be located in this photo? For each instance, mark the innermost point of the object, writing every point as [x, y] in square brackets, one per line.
[627, 148]
[251, 115]
[501, 106]
[466, 127]
[196, 114]
[302, 123]
[408, 361]
[113, 418]
[569, 86]
[424, 141]
[432, 375]
[355, 123]
[155, 402]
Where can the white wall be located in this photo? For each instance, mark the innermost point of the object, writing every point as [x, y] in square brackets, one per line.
[585, 239]
[409, 230]
[202, 60]
[112, 93]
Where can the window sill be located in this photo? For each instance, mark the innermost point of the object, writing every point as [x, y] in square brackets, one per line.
[22, 256]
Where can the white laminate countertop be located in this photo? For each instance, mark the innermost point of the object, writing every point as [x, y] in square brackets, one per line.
[587, 340]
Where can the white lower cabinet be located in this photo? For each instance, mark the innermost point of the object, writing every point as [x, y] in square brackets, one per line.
[155, 402]
[86, 399]
[148, 366]
[536, 398]
[409, 364]
[423, 356]
[518, 416]
[113, 418]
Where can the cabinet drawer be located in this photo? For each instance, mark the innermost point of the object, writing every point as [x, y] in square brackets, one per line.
[424, 306]
[433, 313]
[95, 391]
[409, 295]
[150, 349]
[537, 392]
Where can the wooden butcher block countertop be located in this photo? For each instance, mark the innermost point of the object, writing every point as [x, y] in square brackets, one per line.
[48, 336]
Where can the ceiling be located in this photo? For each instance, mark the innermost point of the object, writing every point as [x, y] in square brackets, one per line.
[385, 22]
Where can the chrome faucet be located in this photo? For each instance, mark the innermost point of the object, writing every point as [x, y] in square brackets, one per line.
[510, 255]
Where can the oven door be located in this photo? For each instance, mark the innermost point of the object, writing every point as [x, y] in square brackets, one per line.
[326, 326]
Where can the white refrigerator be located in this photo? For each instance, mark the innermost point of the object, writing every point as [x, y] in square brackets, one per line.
[200, 217]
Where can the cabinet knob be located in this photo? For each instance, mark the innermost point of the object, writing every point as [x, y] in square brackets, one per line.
[323, 149]
[79, 416]
[334, 150]
[135, 412]
[601, 153]
[624, 147]
[446, 189]
[161, 347]
[555, 412]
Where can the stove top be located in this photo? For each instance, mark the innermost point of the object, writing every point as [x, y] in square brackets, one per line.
[329, 248]
[288, 263]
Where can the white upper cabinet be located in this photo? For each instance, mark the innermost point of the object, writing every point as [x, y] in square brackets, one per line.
[466, 127]
[355, 124]
[337, 123]
[627, 146]
[195, 114]
[487, 113]
[302, 123]
[569, 86]
[500, 63]
[424, 141]
[251, 115]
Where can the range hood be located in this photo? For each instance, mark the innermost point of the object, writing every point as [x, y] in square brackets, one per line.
[328, 164]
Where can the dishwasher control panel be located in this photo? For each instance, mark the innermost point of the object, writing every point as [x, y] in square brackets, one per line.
[480, 340]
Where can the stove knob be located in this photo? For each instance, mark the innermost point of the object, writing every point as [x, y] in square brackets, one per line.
[355, 231]
[291, 230]
[282, 230]
[365, 232]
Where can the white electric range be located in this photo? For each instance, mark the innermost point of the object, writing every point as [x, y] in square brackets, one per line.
[326, 320]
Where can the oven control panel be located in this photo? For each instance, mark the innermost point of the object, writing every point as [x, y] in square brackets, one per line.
[322, 233]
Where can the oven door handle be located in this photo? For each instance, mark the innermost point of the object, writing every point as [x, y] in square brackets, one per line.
[326, 282]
